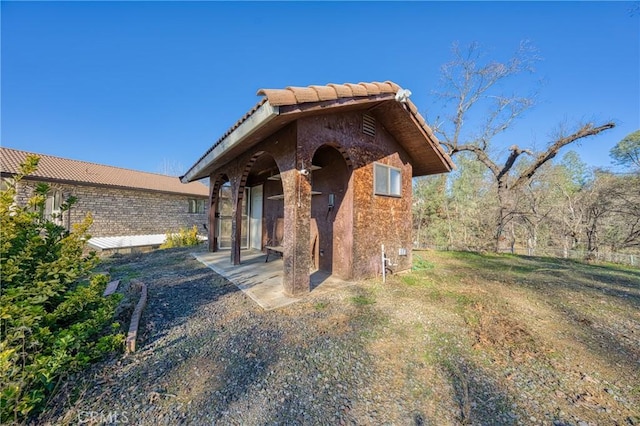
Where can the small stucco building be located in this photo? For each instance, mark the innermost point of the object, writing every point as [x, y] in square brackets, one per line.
[127, 206]
[325, 174]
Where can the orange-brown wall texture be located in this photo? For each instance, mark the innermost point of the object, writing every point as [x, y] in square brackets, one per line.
[348, 235]
[376, 219]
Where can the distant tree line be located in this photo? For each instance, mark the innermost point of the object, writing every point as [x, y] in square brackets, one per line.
[526, 201]
[565, 208]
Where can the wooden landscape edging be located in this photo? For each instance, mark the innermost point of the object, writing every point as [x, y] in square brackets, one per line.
[130, 344]
[111, 288]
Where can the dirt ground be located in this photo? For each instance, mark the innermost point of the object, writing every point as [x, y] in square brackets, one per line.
[463, 339]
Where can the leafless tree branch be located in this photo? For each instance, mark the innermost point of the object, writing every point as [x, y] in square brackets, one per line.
[585, 131]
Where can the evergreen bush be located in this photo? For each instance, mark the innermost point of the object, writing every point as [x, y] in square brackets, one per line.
[53, 318]
[184, 237]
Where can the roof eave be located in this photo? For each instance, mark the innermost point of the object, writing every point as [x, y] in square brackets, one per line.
[261, 117]
[403, 120]
[35, 178]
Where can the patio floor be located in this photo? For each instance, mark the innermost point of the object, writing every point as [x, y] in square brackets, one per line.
[263, 281]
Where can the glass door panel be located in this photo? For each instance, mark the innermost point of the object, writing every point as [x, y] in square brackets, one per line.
[225, 218]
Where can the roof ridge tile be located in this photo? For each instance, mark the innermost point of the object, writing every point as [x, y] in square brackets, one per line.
[371, 88]
[304, 94]
[342, 90]
[358, 89]
[384, 87]
[325, 93]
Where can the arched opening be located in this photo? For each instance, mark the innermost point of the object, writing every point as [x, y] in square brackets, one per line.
[331, 211]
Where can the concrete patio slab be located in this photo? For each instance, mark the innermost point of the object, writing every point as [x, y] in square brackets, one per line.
[262, 281]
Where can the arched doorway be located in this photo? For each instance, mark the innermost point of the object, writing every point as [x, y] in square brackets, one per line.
[331, 210]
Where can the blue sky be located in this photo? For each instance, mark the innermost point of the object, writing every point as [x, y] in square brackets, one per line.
[151, 85]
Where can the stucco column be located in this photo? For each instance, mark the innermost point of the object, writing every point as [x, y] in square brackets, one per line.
[297, 251]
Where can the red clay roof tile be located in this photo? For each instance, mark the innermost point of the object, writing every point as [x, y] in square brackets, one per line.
[73, 171]
[385, 87]
[413, 108]
[304, 94]
[342, 90]
[394, 86]
[357, 89]
[325, 93]
[278, 97]
[371, 88]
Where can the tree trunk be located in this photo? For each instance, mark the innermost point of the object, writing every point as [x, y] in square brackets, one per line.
[504, 210]
[592, 240]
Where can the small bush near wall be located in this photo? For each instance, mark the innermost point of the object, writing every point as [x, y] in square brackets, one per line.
[53, 318]
[184, 237]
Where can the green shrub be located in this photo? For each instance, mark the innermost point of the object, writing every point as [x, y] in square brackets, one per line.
[53, 318]
[362, 300]
[184, 237]
[319, 306]
[420, 264]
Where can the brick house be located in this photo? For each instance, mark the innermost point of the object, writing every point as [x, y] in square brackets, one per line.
[123, 203]
[325, 172]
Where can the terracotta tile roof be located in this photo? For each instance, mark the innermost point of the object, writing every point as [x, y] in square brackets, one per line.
[52, 168]
[298, 95]
[330, 95]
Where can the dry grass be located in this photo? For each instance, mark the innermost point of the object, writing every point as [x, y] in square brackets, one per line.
[507, 338]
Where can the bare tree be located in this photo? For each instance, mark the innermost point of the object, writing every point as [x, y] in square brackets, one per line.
[471, 83]
[613, 219]
[171, 168]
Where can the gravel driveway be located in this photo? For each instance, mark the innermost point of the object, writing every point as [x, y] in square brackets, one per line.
[208, 354]
[462, 343]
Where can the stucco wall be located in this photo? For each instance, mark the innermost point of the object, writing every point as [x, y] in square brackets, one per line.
[119, 212]
[351, 234]
[377, 219]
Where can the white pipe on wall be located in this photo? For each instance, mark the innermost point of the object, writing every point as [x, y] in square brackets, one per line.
[384, 266]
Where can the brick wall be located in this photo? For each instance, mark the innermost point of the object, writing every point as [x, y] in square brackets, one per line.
[125, 212]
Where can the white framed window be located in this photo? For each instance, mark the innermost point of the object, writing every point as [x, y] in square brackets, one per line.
[53, 205]
[196, 206]
[387, 180]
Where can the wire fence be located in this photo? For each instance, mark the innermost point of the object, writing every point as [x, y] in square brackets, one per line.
[629, 259]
